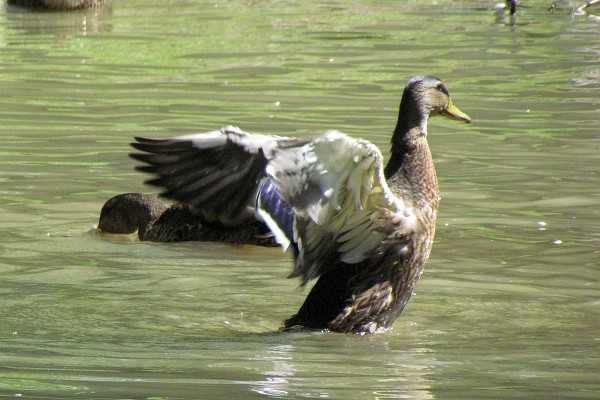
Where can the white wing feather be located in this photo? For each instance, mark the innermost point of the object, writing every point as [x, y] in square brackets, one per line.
[337, 188]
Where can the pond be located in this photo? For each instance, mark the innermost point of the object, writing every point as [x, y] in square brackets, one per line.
[508, 305]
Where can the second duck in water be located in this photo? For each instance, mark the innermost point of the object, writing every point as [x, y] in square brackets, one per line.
[362, 229]
[155, 221]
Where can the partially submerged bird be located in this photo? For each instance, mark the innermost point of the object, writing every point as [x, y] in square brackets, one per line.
[57, 4]
[363, 230]
[155, 221]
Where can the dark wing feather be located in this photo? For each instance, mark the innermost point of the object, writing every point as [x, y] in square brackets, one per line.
[216, 173]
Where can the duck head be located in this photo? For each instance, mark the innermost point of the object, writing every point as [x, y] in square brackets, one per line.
[424, 97]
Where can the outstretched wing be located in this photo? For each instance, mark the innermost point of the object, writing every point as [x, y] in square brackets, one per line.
[344, 209]
[217, 173]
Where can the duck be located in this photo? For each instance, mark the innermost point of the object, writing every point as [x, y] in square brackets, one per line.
[57, 4]
[363, 230]
[156, 221]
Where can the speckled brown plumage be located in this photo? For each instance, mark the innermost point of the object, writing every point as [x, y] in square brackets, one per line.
[368, 297]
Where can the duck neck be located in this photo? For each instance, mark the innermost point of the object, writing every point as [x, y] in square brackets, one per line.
[407, 142]
[410, 169]
[410, 131]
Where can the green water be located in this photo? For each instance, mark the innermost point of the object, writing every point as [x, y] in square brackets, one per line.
[508, 306]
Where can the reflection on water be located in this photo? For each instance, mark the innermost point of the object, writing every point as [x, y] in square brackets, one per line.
[512, 278]
[405, 377]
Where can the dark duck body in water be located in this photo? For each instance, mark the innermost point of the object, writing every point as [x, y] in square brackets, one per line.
[155, 221]
[57, 4]
[364, 231]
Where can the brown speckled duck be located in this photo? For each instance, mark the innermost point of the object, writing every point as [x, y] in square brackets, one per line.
[364, 231]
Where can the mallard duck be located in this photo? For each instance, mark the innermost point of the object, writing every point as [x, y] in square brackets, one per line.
[155, 221]
[364, 231]
[57, 4]
[130, 213]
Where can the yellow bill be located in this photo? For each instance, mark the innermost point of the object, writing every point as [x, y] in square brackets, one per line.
[454, 113]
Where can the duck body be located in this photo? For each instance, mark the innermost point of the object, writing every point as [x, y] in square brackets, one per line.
[57, 4]
[364, 231]
[155, 221]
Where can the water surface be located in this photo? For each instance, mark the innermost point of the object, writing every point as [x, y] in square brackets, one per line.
[508, 305]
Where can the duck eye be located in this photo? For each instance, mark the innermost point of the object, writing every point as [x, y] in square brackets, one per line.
[442, 88]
